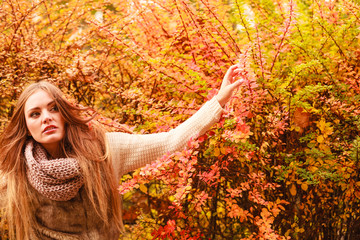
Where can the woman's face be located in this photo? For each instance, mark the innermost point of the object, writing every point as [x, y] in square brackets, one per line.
[44, 121]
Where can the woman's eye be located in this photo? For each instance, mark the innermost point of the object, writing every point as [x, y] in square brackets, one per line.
[54, 109]
[34, 114]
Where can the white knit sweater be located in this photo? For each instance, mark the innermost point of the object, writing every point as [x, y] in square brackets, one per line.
[132, 151]
[75, 219]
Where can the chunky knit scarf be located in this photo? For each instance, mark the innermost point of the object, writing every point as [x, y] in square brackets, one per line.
[57, 179]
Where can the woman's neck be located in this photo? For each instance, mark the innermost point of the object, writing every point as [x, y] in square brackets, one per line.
[54, 152]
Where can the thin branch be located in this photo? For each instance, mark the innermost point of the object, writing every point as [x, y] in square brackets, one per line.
[283, 36]
[222, 25]
[22, 20]
[243, 21]
[330, 35]
[67, 24]
[187, 34]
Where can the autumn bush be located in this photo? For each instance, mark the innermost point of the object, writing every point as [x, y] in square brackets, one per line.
[282, 163]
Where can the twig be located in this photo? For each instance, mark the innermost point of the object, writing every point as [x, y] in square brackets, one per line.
[283, 36]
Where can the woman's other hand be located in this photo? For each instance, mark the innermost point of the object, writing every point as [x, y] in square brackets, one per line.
[228, 85]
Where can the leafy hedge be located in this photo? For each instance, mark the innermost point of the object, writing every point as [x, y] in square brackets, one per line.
[283, 163]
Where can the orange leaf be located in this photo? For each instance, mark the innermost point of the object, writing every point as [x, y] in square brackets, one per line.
[301, 118]
[304, 186]
[293, 190]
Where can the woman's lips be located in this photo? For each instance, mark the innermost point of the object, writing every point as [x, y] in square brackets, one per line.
[50, 129]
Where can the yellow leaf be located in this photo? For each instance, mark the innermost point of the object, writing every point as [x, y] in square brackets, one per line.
[321, 124]
[216, 152]
[304, 186]
[346, 176]
[223, 150]
[325, 127]
[293, 190]
[328, 131]
[143, 188]
[320, 139]
[171, 198]
[300, 230]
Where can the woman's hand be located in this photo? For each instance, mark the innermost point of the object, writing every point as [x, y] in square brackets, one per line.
[228, 86]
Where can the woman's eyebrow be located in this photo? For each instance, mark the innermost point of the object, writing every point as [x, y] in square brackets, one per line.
[50, 103]
[35, 108]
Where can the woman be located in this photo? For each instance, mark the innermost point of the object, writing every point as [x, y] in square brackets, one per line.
[60, 176]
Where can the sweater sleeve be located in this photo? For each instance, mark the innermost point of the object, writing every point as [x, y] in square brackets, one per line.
[132, 151]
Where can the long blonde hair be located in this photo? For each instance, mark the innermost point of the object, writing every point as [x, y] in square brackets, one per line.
[87, 144]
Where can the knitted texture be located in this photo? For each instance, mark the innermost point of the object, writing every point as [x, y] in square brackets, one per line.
[57, 179]
[132, 151]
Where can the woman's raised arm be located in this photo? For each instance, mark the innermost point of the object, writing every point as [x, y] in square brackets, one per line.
[131, 151]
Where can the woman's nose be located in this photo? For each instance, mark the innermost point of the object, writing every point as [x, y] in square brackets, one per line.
[46, 117]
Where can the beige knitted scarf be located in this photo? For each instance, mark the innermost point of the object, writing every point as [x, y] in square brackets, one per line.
[57, 179]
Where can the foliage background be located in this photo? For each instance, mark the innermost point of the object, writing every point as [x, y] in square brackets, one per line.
[283, 163]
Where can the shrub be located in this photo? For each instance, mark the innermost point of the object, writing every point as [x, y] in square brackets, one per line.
[283, 161]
